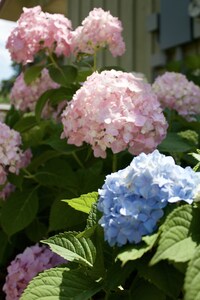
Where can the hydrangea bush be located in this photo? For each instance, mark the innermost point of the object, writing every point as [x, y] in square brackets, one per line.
[99, 181]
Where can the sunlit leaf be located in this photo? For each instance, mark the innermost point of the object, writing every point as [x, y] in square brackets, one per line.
[67, 245]
[180, 235]
[63, 284]
[133, 252]
[84, 202]
[192, 278]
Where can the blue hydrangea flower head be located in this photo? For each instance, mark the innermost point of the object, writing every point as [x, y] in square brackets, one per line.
[132, 200]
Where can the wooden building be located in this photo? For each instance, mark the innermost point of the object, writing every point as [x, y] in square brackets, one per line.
[155, 31]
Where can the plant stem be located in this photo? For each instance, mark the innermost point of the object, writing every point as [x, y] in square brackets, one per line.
[29, 175]
[78, 160]
[95, 62]
[114, 163]
[55, 64]
[170, 119]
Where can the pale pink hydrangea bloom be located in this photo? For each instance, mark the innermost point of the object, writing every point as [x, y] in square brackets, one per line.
[116, 110]
[174, 91]
[24, 97]
[98, 30]
[12, 158]
[37, 30]
[27, 265]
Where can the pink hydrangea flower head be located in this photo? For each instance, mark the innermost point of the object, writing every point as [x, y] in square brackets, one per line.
[12, 158]
[24, 97]
[59, 33]
[174, 91]
[117, 110]
[37, 30]
[98, 30]
[27, 265]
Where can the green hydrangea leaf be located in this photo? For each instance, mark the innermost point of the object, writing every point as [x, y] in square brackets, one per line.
[180, 235]
[133, 252]
[192, 278]
[163, 275]
[84, 202]
[174, 142]
[36, 230]
[61, 284]
[72, 248]
[190, 136]
[4, 249]
[64, 217]
[62, 176]
[41, 103]
[32, 73]
[64, 75]
[196, 156]
[42, 158]
[25, 123]
[93, 217]
[144, 290]
[19, 211]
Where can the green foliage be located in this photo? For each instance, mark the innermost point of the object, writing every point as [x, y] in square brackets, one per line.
[135, 252]
[163, 275]
[25, 123]
[78, 249]
[93, 217]
[189, 66]
[53, 97]
[175, 142]
[179, 235]
[192, 289]
[4, 247]
[62, 216]
[83, 203]
[36, 230]
[145, 290]
[197, 157]
[32, 73]
[19, 211]
[64, 75]
[63, 284]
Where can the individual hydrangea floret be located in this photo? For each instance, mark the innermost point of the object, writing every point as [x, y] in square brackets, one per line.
[37, 30]
[174, 91]
[132, 200]
[100, 29]
[117, 110]
[27, 265]
[12, 158]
